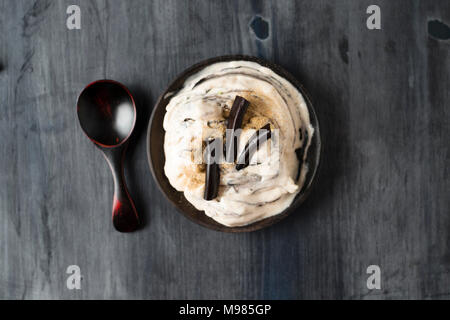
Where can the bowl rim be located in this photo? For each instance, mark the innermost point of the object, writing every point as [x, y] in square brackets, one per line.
[313, 172]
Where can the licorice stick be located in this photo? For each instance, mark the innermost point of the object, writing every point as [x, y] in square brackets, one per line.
[260, 136]
[237, 112]
[212, 176]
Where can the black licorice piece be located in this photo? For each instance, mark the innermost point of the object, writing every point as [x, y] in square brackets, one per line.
[300, 152]
[260, 136]
[239, 108]
[212, 176]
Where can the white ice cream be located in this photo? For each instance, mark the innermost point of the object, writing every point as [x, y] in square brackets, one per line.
[199, 111]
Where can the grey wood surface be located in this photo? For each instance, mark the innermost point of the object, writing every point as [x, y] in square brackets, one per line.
[382, 198]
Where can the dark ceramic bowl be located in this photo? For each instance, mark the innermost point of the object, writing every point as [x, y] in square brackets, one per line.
[156, 159]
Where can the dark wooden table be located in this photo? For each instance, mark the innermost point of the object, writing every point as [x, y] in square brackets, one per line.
[382, 198]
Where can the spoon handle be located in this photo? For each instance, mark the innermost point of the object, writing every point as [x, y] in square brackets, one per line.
[124, 214]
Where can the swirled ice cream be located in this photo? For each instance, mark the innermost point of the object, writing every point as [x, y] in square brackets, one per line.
[199, 112]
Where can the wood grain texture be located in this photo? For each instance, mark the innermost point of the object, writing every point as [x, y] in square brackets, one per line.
[383, 101]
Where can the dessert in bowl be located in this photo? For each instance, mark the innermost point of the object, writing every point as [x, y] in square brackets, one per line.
[260, 117]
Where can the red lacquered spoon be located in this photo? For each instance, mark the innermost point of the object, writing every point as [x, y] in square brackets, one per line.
[107, 114]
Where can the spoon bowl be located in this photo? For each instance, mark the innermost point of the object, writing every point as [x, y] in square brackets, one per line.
[107, 115]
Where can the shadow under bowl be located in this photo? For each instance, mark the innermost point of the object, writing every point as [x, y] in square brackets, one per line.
[156, 158]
